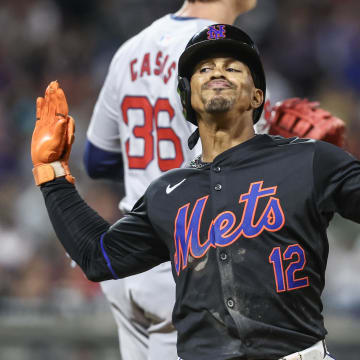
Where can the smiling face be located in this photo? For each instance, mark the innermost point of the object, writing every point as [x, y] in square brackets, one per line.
[221, 84]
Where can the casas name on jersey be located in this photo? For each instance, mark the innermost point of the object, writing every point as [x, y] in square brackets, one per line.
[150, 64]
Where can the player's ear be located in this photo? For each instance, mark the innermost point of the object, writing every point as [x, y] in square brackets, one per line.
[257, 98]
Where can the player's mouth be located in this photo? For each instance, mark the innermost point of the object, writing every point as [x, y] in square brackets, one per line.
[218, 84]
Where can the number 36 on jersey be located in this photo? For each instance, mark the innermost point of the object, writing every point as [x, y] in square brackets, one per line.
[151, 133]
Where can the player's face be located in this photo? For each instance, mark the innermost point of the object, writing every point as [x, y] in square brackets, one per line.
[221, 84]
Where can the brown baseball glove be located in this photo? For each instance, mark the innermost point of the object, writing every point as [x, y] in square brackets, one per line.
[52, 137]
[302, 118]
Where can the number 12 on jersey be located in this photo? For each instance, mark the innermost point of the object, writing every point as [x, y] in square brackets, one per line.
[145, 132]
[285, 280]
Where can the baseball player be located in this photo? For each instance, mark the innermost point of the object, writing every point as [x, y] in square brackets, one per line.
[244, 226]
[137, 132]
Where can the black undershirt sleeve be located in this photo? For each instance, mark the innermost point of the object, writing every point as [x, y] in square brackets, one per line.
[128, 247]
[78, 227]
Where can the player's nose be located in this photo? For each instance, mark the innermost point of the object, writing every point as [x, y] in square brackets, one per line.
[217, 73]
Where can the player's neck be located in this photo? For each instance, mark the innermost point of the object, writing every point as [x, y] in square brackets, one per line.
[217, 138]
[222, 11]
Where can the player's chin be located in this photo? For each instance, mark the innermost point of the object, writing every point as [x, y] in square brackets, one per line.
[218, 104]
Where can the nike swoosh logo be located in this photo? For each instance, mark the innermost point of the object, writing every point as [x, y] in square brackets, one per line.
[169, 188]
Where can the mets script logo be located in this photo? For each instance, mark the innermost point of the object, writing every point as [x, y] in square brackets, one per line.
[223, 230]
[215, 33]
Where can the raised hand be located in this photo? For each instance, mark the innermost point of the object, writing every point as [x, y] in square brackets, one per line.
[52, 137]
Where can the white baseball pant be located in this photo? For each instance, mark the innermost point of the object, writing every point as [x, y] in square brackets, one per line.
[142, 307]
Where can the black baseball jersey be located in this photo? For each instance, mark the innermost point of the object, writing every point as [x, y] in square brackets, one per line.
[246, 235]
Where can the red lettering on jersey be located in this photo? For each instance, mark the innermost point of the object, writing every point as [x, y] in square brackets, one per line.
[145, 67]
[159, 68]
[169, 72]
[164, 63]
[132, 71]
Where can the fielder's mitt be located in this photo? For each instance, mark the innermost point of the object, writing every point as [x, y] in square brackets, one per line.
[302, 118]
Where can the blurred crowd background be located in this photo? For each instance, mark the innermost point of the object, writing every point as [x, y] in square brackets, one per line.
[310, 48]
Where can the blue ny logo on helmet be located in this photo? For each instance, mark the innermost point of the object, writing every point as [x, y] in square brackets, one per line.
[216, 32]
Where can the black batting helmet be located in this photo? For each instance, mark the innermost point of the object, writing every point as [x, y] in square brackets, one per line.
[215, 39]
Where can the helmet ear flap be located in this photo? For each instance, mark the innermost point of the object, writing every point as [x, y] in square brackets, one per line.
[184, 91]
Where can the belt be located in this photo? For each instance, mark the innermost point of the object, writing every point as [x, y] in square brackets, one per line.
[315, 352]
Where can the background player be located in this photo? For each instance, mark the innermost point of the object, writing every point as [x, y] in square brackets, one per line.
[227, 94]
[137, 132]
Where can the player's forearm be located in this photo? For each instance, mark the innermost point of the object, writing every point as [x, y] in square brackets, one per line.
[78, 227]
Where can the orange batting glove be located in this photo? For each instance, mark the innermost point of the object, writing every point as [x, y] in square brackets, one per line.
[52, 137]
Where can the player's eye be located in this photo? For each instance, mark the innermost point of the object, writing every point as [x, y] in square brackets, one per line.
[204, 69]
[231, 69]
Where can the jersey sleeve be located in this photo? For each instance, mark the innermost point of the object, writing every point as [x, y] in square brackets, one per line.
[102, 251]
[101, 164]
[132, 243]
[104, 131]
[337, 181]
